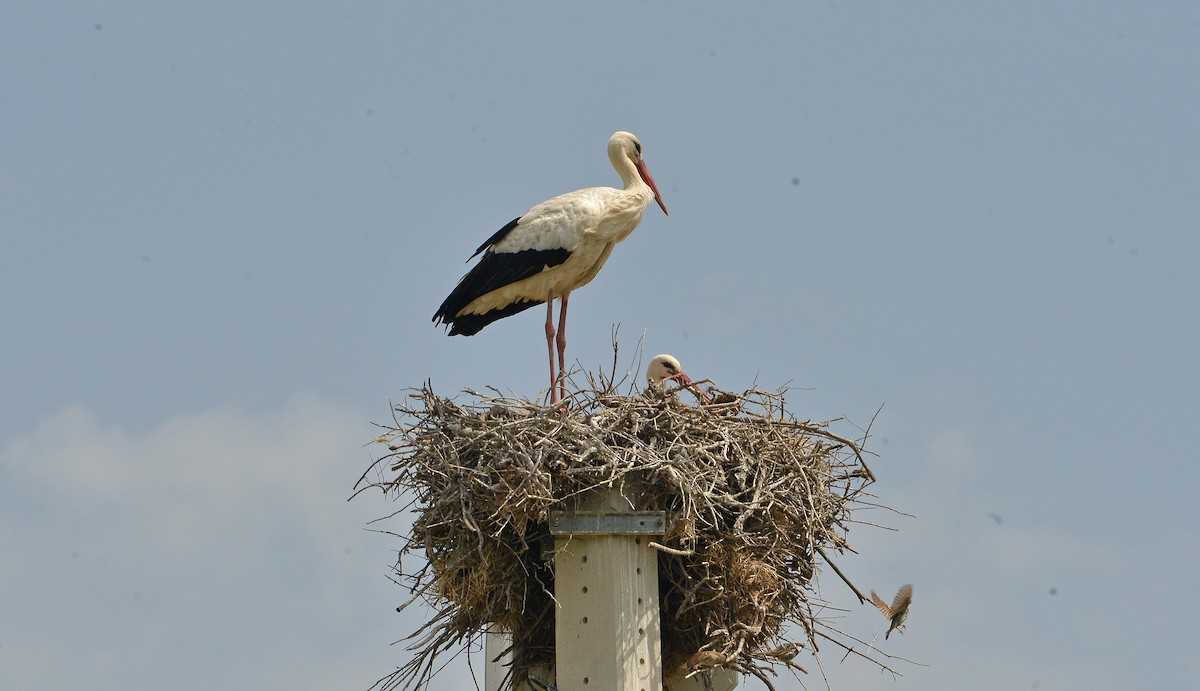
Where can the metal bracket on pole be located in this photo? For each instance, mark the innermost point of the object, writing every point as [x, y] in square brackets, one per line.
[608, 523]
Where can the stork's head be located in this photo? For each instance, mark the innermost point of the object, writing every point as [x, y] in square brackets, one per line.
[623, 146]
[664, 368]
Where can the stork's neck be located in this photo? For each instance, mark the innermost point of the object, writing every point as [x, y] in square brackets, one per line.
[629, 174]
[624, 210]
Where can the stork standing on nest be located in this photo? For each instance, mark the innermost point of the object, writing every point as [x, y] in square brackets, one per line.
[554, 248]
[664, 368]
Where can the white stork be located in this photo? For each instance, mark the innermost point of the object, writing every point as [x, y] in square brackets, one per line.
[664, 368]
[554, 248]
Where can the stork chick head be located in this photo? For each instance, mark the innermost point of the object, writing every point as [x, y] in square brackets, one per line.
[664, 368]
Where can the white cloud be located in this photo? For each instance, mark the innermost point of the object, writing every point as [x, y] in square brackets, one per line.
[216, 550]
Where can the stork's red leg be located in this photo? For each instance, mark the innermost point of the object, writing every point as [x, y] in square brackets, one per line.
[562, 345]
[550, 345]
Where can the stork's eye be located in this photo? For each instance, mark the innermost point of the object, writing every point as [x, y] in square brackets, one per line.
[638, 145]
[669, 367]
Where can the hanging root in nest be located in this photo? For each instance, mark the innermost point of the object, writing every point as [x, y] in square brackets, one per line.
[753, 498]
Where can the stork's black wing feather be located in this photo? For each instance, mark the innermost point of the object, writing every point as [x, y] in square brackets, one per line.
[496, 237]
[494, 270]
[470, 324]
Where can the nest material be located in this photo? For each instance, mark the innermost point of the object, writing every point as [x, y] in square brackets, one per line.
[751, 494]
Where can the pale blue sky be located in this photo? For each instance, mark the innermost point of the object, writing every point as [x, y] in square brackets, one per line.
[225, 229]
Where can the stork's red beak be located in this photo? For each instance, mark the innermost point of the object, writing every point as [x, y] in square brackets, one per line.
[645, 173]
[686, 381]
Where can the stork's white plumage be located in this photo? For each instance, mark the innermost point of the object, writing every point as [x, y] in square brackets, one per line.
[554, 248]
[664, 368]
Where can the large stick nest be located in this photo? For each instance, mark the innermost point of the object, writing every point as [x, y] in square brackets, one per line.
[753, 496]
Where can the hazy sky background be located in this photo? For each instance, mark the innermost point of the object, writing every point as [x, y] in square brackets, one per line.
[225, 227]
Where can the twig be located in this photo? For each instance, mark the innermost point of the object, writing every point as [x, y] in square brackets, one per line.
[862, 599]
[671, 550]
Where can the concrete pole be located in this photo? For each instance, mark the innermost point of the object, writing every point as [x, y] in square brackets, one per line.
[496, 674]
[607, 635]
[494, 643]
[607, 628]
